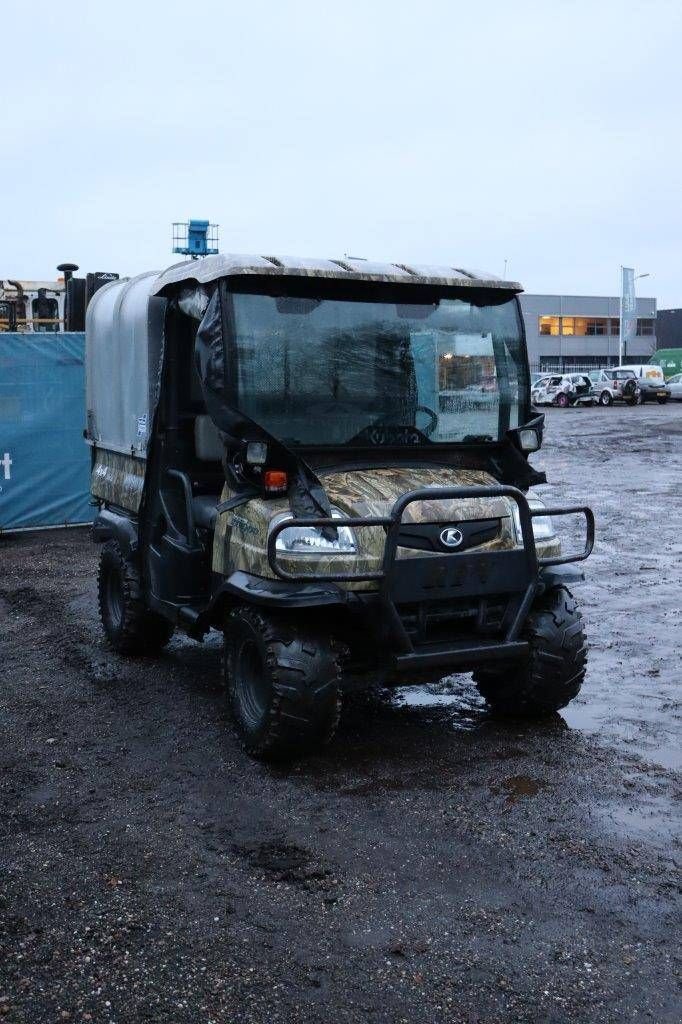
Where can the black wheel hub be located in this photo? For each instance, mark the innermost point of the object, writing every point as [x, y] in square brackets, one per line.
[252, 688]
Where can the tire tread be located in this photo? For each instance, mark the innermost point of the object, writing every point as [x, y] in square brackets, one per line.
[555, 669]
[142, 631]
[306, 681]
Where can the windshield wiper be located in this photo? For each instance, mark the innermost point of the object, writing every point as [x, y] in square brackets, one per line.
[477, 438]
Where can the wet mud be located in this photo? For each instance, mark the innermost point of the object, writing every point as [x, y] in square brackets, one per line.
[433, 864]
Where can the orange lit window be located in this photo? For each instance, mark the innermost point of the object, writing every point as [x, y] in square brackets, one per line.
[548, 325]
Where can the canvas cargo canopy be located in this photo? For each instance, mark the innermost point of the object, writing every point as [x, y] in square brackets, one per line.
[125, 327]
[124, 340]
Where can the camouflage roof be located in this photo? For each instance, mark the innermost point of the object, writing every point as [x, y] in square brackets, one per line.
[210, 268]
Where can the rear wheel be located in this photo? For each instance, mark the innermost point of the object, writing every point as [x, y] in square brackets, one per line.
[283, 685]
[606, 398]
[554, 671]
[130, 626]
[562, 400]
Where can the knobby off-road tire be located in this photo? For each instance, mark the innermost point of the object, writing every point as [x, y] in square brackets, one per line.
[555, 668]
[283, 684]
[130, 626]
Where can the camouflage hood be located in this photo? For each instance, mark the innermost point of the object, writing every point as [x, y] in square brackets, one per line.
[241, 535]
[372, 492]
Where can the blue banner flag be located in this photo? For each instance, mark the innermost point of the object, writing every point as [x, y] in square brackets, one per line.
[628, 309]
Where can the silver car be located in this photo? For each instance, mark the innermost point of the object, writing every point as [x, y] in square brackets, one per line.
[614, 385]
[675, 385]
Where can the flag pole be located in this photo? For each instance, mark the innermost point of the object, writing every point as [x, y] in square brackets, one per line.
[620, 320]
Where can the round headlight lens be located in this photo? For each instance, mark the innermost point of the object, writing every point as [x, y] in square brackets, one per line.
[543, 528]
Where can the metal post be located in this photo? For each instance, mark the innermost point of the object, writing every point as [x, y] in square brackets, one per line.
[620, 319]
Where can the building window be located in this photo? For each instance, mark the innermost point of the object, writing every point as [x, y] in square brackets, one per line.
[588, 326]
[597, 326]
[645, 327]
[548, 325]
[583, 326]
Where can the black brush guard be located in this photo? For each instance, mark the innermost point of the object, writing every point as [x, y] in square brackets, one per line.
[450, 575]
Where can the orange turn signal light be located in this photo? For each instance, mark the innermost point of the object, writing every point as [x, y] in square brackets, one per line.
[275, 481]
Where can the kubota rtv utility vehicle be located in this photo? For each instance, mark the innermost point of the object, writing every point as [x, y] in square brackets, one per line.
[327, 460]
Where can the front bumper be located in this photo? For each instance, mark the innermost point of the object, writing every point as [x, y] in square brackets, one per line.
[471, 575]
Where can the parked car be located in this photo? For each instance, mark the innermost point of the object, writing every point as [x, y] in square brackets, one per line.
[675, 386]
[609, 386]
[651, 382]
[563, 389]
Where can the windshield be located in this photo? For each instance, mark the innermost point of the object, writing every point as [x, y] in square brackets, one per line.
[333, 371]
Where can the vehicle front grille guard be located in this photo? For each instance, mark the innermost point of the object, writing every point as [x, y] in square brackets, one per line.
[439, 577]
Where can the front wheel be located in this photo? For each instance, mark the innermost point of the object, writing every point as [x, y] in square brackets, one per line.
[606, 398]
[562, 401]
[662, 401]
[283, 684]
[554, 670]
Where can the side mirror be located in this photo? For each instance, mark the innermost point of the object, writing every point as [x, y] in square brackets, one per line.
[528, 437]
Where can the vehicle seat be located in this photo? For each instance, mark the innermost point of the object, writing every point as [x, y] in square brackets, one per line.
[207, 443]
[208, 447]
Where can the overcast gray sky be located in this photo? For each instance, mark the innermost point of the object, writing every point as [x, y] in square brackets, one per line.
[543, 133]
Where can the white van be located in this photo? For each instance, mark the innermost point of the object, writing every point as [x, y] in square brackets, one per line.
[651, 381]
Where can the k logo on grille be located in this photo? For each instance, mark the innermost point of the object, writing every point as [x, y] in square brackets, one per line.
[451, 537]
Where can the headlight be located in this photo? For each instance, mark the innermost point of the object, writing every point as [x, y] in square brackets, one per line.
[308, 540]
[542, 525]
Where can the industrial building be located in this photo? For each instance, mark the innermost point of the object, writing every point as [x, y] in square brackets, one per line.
[579, 332]
[669, 328]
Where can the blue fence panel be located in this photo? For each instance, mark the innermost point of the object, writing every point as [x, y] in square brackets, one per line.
[44, 461]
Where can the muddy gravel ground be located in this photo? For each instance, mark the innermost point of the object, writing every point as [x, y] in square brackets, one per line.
[432, 865]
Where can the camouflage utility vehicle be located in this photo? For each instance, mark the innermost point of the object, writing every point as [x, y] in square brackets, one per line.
[327, 460]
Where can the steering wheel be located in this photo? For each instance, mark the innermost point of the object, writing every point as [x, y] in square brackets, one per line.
[430, 427]
[385, 421]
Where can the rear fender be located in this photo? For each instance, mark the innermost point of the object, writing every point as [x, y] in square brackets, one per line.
[109, 525]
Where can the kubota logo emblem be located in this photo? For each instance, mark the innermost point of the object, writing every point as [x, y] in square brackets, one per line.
[451, 537]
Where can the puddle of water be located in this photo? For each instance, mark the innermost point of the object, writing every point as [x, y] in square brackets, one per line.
[648, 734]
[421, 697]
[645, 724]
[459, 698]
[521, 785]
[656, 819]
